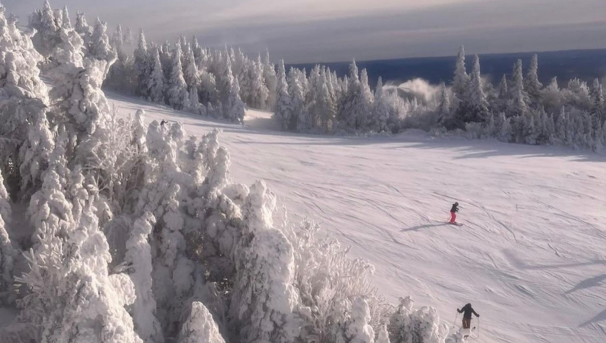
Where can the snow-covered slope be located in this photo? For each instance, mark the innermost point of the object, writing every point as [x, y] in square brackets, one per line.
[531, 256]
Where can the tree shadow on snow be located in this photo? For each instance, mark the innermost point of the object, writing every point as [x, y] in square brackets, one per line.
[518, 263]
[597, 318]
[588, 283]
[420, 227]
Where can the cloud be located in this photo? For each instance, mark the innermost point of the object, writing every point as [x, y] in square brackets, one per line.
[338, 30]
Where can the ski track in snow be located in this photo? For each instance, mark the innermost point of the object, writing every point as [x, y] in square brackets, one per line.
[531, 257]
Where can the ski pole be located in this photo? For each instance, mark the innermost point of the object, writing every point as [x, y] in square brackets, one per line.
[455, 320]
[479, 327]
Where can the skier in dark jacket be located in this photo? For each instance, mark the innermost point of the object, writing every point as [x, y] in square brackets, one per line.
[453, 211]
[467, 310]
[163, 122]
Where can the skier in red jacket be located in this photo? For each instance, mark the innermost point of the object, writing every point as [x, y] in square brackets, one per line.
[453, 213]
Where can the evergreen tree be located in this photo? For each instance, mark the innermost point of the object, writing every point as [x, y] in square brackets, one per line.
[259, 91]
[502, 100]
[128, 36]
[263, 299]
[366, 100]
[8, 253]
[461, 79]
[383, 336]
[156, 82]
[200, 326]
[597, 97]
[532, 84]
[443, 106]
[358, 329]
[352, 107]
[82, 27]
[166, 57]
[519, 96]
[67, 24]
[327, 105]
[300, 119]
[139, 257]
[142, 65]
[233, 106]
[271, 81]
[100, 48]
[176, 92]
[117, 39]
[283, 111]
[47, 34]
[551, 96]
[23, 106]
[477, 106]
[191, 73]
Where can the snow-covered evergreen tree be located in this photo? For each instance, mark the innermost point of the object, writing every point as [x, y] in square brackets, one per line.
[176, 92]
[383, 336]
[531, 83]
[142, 65]
[271, 81]
[263, 300]
[139, 258]
[23, 103]
[128, 36]
[82, 27]
[283, 110]
[409, 325]
[75, 262]
[461, 79]
[352, 107]
[200, 326]
[366, 98]
[117, 39]
[300, 119]
[551, 96]
[47, 31]
[598, 110]
[100, 48]
[191, 73]
[258, 90]
[443, 109]
[577, 94]
[67, 24]
[8, 253]
[476, 107]
[161, 195]
[208, 88]
[326, 105]
[358, 329]
[156, 82]
[519, 104]
[381, 108]
[229, 91]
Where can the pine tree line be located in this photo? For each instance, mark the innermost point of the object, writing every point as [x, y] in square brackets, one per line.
[519, 110]
[186, 76]
[522, 110]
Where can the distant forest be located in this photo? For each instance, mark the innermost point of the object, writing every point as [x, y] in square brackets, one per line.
[565, 65]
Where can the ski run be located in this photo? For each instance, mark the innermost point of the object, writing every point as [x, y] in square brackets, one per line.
[530, 256]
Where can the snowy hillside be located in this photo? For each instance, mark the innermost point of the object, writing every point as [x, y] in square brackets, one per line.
[530, 256]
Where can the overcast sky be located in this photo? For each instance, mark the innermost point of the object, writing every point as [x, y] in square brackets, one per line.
[339, 30]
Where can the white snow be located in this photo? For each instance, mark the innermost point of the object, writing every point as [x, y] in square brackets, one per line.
[530, 257]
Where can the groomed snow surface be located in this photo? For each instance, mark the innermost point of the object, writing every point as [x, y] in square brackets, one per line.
[531, 257]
